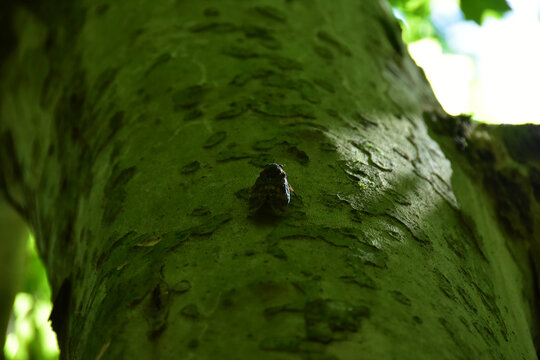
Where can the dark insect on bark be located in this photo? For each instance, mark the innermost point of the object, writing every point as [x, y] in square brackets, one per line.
[271, 193]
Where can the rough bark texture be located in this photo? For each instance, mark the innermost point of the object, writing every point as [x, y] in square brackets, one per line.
[131, 133]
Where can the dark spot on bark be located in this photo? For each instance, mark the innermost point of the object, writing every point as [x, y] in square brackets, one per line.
[216, 27]
[65, 15]
[284, 110]
[376, 156]
[333, 113]
[419, 235]
[512, 203]
[450, 326]
[181, 287]
[161, 59]
[136, 34]
[484, 156]
[271, 44]
[215, 139]
[49, 89]
[157, 310]
[271, 13]
[115, 192]
[102, 9]
[325, 85]
[323, 52]
[159, 298]
[326, 318]
[445, 285]
[534, 178]
[276, 252]
[400, 297]
[392, 32]
[193, 114]
[431, 117]
[292, 307]
[261, 160]
[113, 244]
[67, 235]
[265, 144]
[156, 331]
[116, 121]
[117, 147]
[191, 167]
[331, 40]
[299, 155]
[119, 178]
[173, 239]
[365, 121]
[228, 298]
[522, 141]
[230, 155]
[254, 31]
[69, 114]
[8, 39]
[326, 146]
[279, 81]
[359, 278]
[285, 63]
[105, 80]
[211, 225]
[242, 78]
[466, 299]
[11, 169]
[240, 52]
[201, 211]
[231, 113]
[211, 12]
[188, 97]
[397, 197]
[308, 91]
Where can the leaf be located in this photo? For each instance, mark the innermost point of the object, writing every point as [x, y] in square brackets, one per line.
[474, 9]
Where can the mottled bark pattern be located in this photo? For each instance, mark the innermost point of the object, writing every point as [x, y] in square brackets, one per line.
[131, 133]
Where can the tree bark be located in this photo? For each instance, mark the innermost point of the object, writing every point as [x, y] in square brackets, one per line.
[132, 133]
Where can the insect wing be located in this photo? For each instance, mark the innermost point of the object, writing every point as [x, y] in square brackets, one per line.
[271, 191]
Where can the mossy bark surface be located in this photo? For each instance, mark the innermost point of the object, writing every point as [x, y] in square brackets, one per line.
[132, 133]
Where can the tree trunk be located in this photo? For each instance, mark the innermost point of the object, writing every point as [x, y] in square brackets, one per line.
[132, 133]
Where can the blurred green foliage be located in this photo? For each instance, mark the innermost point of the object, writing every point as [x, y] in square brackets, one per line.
[475, 9]
[29, 333]
[417, 15]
